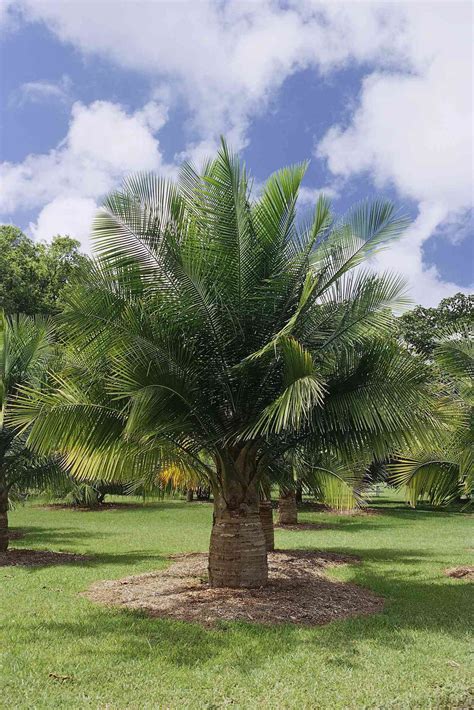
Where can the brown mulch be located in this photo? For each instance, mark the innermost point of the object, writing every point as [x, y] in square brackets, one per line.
[306, 526]
[38, 558]
[465, 572]
[298, 592]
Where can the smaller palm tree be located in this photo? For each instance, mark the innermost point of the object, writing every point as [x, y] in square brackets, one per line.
[26, 349]
[446, 471]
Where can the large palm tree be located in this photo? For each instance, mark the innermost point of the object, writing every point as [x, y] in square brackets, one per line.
[218, 328]
[26, 347]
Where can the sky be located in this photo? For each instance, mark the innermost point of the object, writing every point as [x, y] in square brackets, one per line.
[376, 96]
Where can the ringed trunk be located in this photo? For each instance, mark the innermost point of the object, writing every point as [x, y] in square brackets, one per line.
[266, 519]
[4, 536]
[237, 551]
[287, 510]
[189, 495]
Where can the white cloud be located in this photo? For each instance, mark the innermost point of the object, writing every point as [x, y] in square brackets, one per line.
[103, 144]
[40, 91]
[224, 59]
[405, 257]
[414, 131]
[65, 215]
[310, 195]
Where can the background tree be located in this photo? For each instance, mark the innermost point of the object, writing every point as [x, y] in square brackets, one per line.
[26, 348]
[445, 471]
[86, 495]
[214, 327]
[34, 274]
[422, 327]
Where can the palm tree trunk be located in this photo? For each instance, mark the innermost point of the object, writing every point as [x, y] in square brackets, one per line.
[266, 519]
[4, 537]
[287, 510]
[189, 495]
[237, 551]
[299, 492]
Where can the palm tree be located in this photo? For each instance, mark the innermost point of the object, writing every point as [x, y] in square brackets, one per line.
[445, 471]
[327, 479]
[26, 347]
[217, 327]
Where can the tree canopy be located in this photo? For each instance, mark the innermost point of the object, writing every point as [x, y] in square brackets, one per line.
[422, 327]
[34, 274]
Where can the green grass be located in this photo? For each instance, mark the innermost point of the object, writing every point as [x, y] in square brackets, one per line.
[413, 655]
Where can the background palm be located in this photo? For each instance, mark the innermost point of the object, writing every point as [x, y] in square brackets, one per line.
[213, 324]
[26, 348]
[445, 470]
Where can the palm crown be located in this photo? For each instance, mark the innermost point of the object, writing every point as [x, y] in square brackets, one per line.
[218, 328]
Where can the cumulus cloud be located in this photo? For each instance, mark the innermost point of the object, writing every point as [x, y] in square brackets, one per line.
[414, 132]
[406, 257]
[224, 59]
[411, 128]
[102, 145]
[65, 215]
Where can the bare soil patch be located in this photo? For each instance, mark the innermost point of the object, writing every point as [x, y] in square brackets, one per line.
[37, 558]
[298, 592]
[466, 572]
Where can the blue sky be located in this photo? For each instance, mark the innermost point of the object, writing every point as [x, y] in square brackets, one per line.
[377, 97]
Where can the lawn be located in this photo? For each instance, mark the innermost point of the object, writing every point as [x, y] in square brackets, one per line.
[414, 655]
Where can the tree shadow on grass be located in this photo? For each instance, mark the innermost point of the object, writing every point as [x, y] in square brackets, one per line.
[35, 559]
[383, 554]
[114, 507]
[336, 524]
[56, 535]
[423, 510]
[361, 524]
[418, 598]
[412, 606]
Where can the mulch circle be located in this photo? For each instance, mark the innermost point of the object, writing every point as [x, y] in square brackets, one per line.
[298, 592]
[465, 572]
[36, 558]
